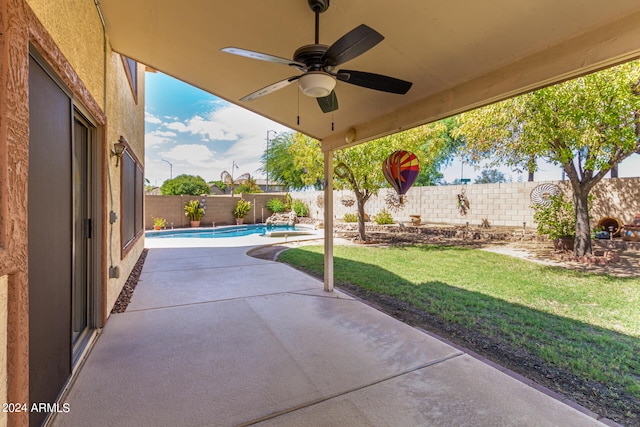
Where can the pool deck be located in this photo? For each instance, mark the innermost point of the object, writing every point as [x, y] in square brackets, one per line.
[213, 337]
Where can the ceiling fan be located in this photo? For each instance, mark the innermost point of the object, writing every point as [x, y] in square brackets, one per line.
[317, 63]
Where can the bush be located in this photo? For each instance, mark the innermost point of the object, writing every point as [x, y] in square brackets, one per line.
[300, 208]
[242, 208]
[556, 220]
[275, 205]
[383, 217]
[247, 188]
[350, 217]
[185, 184]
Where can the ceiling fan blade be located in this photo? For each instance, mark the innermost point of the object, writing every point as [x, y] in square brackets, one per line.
[264, 57]
[354, 43]
[269, 89]
[328, 103]
[374, 81]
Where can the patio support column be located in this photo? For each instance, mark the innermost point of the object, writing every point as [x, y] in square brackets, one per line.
[328, 221]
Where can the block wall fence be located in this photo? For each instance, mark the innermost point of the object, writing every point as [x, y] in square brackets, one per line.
[506, 204]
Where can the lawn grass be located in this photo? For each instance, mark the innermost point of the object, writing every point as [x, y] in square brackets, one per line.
[583, 322]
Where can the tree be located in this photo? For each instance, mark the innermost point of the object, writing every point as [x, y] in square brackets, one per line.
[490, 176]
[185, 184]
[277, 162]
[448, 146]
[247, 185]
[360, 168]
[221, 185]
[587, 126]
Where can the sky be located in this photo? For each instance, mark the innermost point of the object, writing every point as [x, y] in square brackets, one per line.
[189, 131]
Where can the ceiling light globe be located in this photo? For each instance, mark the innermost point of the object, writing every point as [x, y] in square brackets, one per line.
[316, 84]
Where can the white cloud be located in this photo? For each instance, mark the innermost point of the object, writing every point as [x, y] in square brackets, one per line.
[158, 138]
[150, 118]
[165, 134]
[180, 127]
[190, 153]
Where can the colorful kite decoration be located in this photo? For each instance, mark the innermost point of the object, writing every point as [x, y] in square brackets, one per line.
[401, 169]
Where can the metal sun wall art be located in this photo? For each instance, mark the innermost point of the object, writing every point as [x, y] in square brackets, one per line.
[541, 195]
[401, 169]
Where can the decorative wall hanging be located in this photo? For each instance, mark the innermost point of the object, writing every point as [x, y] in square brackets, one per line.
[463, 202]
[401, 169]
[541, 195]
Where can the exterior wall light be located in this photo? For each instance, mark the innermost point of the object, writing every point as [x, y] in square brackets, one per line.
[118, 149]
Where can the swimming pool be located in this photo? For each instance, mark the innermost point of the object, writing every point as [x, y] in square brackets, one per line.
[222, 232]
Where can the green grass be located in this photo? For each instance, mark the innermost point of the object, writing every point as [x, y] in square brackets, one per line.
[584, 322]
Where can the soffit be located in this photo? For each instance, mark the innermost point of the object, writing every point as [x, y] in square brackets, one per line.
[459, 55]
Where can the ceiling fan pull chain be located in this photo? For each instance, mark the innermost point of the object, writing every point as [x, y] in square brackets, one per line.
[298, 91]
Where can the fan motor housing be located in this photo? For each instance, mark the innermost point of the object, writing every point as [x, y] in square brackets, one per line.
[311, 55]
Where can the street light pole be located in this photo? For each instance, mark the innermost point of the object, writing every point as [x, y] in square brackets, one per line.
[170, 168]
[267, 159]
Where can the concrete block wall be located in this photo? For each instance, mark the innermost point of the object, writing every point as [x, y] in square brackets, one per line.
[219, 209]
[505, 204]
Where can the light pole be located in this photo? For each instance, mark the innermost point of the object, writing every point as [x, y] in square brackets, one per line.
[267, 159]
[170, 168]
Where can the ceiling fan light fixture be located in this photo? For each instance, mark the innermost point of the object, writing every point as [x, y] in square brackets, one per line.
[317, 84]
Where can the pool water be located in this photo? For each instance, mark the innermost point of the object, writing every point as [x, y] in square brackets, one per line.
[220, 232]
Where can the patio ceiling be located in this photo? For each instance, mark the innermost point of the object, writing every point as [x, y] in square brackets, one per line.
[459, 55]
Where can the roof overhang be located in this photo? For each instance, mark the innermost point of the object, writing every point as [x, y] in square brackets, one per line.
[459, 56]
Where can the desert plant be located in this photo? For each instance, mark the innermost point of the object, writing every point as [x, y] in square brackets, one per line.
[300, 208]
[159, 222]
[242, 208]
[383, 217]
[350, 217]
[193, 210]
[275, 205]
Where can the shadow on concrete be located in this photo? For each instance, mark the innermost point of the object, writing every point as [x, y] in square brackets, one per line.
[518, 337]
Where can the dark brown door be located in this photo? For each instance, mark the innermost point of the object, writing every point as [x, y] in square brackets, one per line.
[50, 215]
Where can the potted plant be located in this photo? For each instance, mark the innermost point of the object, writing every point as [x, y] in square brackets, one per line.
[241, 210]
[159, 223]
[194, 212]
[557, 221]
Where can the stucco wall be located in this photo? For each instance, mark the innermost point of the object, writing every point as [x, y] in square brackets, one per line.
[75, 27]
[126, 118]
[506, 204]
[68, 35]
[14, 133]
[4, 284]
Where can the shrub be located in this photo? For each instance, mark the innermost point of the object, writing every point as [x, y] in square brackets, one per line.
[556, 220]
[242, 208]
[383, 217]
[193, 210]
[275, 205]
[247, 188]
[300, 208]
[350, 217]
[159, 222]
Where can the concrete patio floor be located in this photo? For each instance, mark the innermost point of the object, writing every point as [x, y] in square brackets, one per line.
[213, 337]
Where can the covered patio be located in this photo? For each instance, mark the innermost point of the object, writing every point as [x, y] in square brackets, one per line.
[456, 57]
[215, 337]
